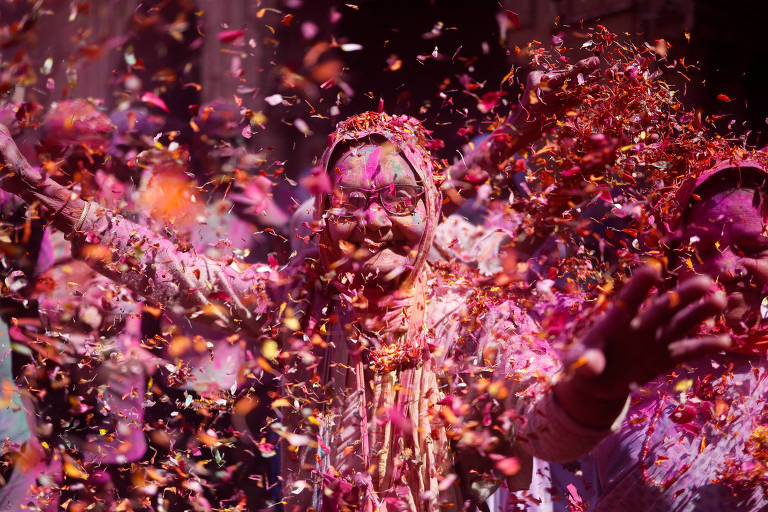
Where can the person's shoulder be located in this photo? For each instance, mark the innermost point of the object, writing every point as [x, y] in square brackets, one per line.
[463, 298]
[448, 283]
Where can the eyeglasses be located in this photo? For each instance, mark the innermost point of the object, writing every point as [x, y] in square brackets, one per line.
[395, 199]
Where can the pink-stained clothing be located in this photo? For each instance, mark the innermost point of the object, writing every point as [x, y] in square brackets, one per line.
[83, 315]
[98, 320]
[237, 297]
[693, 441]
[88, 328]
[375, 410]
[34, 486]
[477, 246]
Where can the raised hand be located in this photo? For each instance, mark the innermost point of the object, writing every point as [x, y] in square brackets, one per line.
[550, 93]
[632, 344]
[546, 96]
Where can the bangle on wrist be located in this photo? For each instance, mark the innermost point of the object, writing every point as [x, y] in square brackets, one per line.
[81, 220]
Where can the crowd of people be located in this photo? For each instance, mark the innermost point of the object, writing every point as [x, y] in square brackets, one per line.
[595, 340]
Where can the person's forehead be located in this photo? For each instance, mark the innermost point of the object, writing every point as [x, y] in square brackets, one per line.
[373, 163]
[730, 201]
[364, 152]
[739, 211]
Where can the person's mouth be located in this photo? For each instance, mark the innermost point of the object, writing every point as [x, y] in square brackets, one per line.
[372, 245]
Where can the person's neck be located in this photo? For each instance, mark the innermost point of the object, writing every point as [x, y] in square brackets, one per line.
[378, 309]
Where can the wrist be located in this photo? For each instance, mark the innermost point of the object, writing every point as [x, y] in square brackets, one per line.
[583, 401]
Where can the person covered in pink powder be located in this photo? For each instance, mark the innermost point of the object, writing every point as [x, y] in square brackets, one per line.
[696, 438]
[224, 163]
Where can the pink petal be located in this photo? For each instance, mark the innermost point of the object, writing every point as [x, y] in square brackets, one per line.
[317, 182]
[227, 36]
[154, 100]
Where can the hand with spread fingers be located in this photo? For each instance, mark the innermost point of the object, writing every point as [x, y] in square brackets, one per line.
[636, 339]
[550, 93]
[546, 96]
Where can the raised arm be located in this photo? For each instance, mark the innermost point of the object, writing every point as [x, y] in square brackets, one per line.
[546, 95]
[524, 403]
[636, 339]
[133, 255]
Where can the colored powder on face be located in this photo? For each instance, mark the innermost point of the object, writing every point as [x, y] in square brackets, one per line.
[372, 166]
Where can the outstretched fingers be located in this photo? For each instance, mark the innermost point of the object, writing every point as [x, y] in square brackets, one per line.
[555, 79]
[664, 307]
[588, 363]
[688, 318]
[628, 301]
[692, 347]
[588, 65]
[587, 356]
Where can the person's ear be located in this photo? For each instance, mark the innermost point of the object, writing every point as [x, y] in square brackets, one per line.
[762, 202]
[757, 199]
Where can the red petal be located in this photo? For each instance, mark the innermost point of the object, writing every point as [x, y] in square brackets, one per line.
[227, 36]
[513, 18]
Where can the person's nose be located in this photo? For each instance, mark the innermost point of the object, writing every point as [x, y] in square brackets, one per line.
[376, 217]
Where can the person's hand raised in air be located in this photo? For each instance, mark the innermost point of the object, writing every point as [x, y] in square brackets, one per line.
[546, 96]
[637, 338]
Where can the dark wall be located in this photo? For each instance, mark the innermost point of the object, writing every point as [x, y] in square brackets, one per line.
[403, 29]
[729, 39]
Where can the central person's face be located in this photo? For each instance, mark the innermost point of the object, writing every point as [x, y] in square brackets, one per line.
[376, 214]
